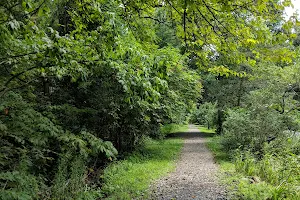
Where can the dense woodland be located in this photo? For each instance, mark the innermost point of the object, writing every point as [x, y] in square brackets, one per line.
[83, 82]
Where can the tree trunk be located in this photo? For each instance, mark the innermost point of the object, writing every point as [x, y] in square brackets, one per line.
[220, 119]
[240, 93]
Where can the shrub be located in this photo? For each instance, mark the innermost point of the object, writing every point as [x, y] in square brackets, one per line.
[250, 129]
[278, 176]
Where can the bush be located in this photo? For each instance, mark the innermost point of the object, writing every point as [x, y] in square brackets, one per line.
[41, 160]
[279, 173]
[250, 129]
[265, 152]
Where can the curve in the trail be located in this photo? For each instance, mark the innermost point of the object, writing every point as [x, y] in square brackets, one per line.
[195, 174]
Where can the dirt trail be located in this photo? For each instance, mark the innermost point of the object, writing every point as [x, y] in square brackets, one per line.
[195, 174]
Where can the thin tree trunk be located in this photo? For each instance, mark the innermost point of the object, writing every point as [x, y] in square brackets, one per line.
[220, 116]
[240, 93]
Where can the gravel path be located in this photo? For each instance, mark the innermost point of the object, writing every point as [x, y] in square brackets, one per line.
[195, 174]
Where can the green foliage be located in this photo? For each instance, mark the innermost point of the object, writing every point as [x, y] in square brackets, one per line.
[221, 156]
[275, 176]
[261, 141]
[247, 130]
[259, 149]
[268, 112]
[81, 80]
[31, 145]
[205, 114]
[20, 184]
[70, 180]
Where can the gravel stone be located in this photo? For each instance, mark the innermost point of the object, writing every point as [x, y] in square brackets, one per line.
[195, 176]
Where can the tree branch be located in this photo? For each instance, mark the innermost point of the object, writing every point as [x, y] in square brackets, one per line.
[184, 22]
[213, 15]
[154, 19]
[19, 74]
[30, 13]
[21, 55]
[178, 11]
[15, 88]
[213, 27]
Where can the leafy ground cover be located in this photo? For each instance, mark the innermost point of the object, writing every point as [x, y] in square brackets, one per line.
[131, 177]
[272, 177]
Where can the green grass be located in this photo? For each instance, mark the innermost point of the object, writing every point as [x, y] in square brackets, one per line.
[238, 185]
[243, 180]
[229, 176]
[204, 129]
[214, 144]
[131, 177]
[173, 128]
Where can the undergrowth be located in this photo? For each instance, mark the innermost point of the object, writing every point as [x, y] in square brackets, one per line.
[273, 176]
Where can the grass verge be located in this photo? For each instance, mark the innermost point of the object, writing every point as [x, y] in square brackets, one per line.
[215, 146]
[248, 179]
[131, 178]
[227, 168]
[204, 129]
[173, 128]
[237, 185]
